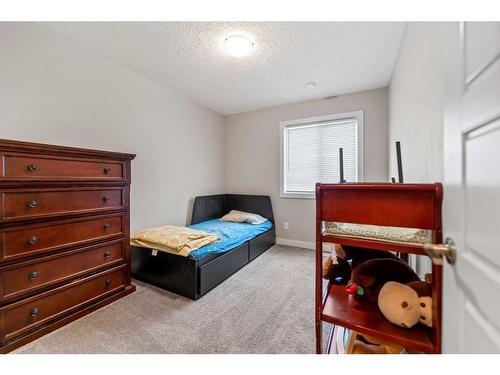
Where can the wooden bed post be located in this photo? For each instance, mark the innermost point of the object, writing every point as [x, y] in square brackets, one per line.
[400, 162]
[437, 270]
[341, 165]
[318, 278]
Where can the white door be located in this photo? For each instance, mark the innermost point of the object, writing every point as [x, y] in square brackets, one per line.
[471, 291]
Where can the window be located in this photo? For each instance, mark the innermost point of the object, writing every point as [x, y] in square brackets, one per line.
[310, 152]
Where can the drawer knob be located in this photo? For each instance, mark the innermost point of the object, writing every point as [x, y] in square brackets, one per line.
[107, 282]
[106, 198]
[31, 167]
[107, 226]
[33, 275]
[106, 171]
[107, 254]
[33, 240]
[34, 312]
[32, 204]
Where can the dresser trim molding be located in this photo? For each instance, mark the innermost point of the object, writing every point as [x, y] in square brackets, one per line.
[40, 148]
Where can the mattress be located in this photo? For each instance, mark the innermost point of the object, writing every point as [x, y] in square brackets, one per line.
[231, 235]
[412, 236]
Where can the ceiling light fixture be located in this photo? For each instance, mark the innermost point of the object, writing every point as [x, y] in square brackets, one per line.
[310, 85]
[238, 46]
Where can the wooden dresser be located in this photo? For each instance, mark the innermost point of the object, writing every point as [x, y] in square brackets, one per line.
[64, 236]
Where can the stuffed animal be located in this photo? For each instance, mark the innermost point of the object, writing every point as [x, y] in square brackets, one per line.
[405, 301]
[361, 347]
[338, 268]
[406, 305]
[370, 276]
[370, 345]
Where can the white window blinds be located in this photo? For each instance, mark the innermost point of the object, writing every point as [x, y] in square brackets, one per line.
[311, 153]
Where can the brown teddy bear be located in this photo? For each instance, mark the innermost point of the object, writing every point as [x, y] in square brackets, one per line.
[371, 275]
[338, 268]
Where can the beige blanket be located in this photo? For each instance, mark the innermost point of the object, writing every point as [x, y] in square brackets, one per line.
[172, 239]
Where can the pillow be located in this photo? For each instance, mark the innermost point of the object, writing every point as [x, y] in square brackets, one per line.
[243, 217]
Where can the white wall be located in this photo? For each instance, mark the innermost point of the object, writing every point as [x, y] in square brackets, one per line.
[53, 91]
[252, 154]
[416, 103]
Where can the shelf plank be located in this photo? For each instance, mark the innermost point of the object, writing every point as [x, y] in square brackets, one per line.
[342, 309]
[373, 244]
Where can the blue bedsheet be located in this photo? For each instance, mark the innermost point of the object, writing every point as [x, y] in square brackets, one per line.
[231, 235]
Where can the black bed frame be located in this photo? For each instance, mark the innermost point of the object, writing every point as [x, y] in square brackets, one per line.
[192, 277]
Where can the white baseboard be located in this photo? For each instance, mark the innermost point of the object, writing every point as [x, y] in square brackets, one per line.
[295, 243]
[302, 244]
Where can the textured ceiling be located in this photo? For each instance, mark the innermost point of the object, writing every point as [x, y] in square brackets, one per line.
[187, 57]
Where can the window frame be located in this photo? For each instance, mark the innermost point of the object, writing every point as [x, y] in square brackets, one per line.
[358, 115]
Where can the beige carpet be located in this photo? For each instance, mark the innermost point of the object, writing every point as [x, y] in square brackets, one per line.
[266, 307]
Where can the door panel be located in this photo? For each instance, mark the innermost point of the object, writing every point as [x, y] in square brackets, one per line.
[480, 285]
[471, 310]
[482, 46]
[482, 193]
[477, 333]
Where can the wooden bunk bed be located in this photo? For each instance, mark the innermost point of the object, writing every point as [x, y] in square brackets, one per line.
[381, 204]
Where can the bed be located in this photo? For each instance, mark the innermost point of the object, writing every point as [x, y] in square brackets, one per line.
[205, 268]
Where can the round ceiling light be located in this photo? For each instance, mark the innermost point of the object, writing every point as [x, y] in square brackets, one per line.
[238, 46]
[310, 85]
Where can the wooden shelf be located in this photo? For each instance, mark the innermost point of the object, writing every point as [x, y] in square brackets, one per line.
[342, 309]
[388, 205]
[374, 244]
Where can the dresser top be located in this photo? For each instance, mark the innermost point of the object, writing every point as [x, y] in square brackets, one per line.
[40, 148]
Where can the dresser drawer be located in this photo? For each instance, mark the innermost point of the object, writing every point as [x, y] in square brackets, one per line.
[33, 275]
[23, 204]
[40, 167]
[36, 239]
[21, 317]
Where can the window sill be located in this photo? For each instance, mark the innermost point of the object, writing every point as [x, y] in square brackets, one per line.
[297, 195]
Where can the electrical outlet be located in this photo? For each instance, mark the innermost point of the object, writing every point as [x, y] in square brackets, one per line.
[285, 225]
